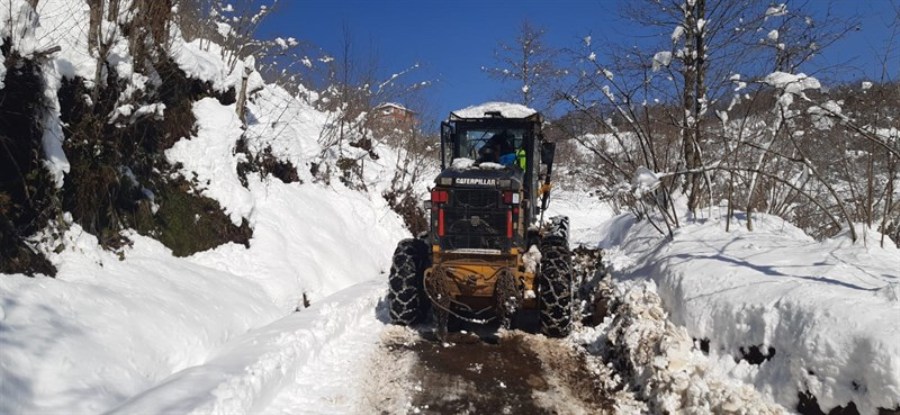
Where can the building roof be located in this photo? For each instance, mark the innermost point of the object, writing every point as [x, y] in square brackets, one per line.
[393, 105]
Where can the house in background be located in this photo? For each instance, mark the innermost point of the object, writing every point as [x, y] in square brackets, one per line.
[392, 116]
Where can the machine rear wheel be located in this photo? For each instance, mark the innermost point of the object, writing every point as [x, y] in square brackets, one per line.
[406, 297]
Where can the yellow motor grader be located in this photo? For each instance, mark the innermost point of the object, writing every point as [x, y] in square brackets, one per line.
[488, 253]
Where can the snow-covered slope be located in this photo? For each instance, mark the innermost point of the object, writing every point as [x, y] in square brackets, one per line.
[113, 325]
[299, 245]
[108, 328]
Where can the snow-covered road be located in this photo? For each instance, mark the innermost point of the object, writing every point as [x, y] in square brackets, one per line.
[635, 361]
[337, 380]
[250, 371]
[378, 368]
[341, 356]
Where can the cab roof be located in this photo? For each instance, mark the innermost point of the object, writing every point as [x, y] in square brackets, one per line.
[496, 110]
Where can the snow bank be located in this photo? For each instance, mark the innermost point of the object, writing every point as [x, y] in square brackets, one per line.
[287, 125]
[660, 360]
[506, 109]
[249, 373]
[63, 23]
[310, 240]
[300, 243]
[608, 143]
[826, 308]
[29, 31]
[106, 328]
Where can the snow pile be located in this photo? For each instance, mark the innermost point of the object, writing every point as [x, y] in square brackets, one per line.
[463, 163]
[63, 23]
[349, 373]
[506, 110]
[823, 314]
[584, 213]
[58, 19]
[201, 59]
[674, 376]
[298, 245]
[608, 143]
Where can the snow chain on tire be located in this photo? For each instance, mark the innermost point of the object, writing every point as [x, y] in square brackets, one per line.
[507, 297]
[559, 228]
[406, 297]
[556, 282]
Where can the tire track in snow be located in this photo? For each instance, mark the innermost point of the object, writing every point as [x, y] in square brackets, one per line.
[333, 383]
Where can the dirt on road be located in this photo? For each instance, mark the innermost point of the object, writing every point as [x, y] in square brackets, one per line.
[510, 373]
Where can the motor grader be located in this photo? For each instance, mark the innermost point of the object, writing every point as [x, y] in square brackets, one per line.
[488, 253]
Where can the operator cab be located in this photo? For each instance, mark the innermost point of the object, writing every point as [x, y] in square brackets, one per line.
[484, 199]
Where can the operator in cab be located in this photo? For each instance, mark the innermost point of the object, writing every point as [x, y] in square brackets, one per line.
[499, 149]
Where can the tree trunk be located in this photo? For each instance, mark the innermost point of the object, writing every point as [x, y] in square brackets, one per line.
[692, 100]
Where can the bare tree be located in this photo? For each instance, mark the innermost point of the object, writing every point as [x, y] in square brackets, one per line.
[529, 63]
[700, 110]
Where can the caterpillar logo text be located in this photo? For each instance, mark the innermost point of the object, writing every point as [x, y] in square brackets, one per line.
[476, 182]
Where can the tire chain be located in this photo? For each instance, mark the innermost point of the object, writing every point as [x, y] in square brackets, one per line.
[508, 297]
[437, 293]
[559, 228]
[405, 296]
[556, 287]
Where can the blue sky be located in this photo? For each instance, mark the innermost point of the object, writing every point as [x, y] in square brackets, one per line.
[452, 40]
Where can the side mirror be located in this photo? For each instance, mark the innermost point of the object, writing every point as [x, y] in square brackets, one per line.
[447, 141]
[548, 151]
